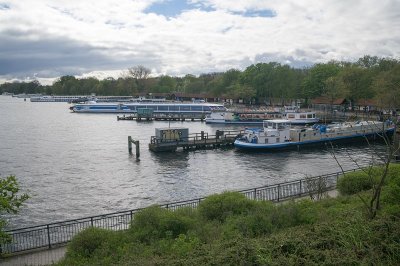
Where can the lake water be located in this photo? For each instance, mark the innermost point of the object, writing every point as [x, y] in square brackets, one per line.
[76, 165]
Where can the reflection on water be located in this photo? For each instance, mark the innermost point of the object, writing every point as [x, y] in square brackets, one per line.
[76, 165]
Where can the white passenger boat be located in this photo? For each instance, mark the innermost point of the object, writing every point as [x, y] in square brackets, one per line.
[278, 134]
[166, 107]
[79, 98]
[298, 117]
[293, 114]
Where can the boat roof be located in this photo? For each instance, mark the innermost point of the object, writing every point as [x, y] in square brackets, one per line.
[277, 121]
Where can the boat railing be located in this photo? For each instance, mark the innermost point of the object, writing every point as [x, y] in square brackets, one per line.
[196, 138]
[55, 234]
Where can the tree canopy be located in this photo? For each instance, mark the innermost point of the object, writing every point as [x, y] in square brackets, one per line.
[370, 77]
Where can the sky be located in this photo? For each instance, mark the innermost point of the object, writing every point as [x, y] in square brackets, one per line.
[46, 39]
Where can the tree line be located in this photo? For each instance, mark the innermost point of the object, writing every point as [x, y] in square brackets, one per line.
[370, 77]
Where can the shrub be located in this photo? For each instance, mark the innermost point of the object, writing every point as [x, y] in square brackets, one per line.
[88, 241]
[219, 207]
[353, 183]
[391, 195]
[156, 223]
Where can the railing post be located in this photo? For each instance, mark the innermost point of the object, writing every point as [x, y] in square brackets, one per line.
[131, 215]
[279, 189]
[91, 221]
[255, 194]
[301, 187]
[48, 235]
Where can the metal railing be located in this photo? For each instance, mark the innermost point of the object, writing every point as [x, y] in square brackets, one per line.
[198, 138]
[58, 233]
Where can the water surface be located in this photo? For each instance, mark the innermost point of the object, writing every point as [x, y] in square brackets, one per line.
[77, 165]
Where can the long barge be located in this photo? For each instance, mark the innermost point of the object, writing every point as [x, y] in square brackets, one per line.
[165, 108]
[79, 98]
[278, 134]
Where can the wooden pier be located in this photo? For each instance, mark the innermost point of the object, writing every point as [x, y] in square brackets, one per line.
[163, 117]
[195, 141]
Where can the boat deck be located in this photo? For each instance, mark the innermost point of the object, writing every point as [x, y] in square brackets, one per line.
[196, 141]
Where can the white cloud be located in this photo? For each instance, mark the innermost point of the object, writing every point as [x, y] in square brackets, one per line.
[53, 38]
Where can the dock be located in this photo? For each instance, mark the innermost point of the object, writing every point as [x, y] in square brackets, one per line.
[194, 141]
[163, 117]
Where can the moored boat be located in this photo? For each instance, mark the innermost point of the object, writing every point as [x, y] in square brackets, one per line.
[293, 114]
[278, 134]
[163, 107]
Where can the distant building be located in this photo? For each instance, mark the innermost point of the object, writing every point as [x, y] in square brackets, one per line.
[325, 103]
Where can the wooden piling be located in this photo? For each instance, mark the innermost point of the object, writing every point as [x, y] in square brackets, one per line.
[136, 142]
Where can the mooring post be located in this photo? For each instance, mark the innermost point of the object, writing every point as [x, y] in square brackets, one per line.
[130, 144]
[136, 142]
[137, 150]
[202, 135]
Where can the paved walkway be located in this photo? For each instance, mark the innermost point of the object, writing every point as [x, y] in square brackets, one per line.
[42, 257]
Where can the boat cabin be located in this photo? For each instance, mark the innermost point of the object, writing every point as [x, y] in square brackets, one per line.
[274, 131]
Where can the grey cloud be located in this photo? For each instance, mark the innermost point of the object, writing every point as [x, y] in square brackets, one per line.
[285, 59]
[52, 57]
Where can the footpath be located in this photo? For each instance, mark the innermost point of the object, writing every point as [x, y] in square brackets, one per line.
[42, 257]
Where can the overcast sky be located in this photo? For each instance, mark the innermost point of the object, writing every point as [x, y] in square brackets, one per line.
[45, 39]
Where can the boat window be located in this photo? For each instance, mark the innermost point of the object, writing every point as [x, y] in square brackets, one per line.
[163, 108]
[277, 139]
[281, 126]
[309, 115]
[290, 115]
[303, 116]
[173, 108]
[266, 140]
[185, 108]
[197, 108]
[207, 108]
[313, 115]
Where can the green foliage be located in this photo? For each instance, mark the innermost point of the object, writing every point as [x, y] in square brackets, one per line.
[156, 223]
[220, 206]
[332, 231]
[368, 78]
[391, 192]
[88, 241]
[10, 201]
[352, 183]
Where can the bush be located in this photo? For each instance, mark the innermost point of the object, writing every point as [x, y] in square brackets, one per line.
[155, 223]
[219, 207]
[353, 183]
[256, 223]
[88, 241]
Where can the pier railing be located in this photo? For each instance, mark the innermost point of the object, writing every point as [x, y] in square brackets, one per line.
[59, 233]
[202, 137]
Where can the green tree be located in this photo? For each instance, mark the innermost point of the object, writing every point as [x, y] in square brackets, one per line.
[357, 82]
[314, 83]
[10, 201]
[387, 88]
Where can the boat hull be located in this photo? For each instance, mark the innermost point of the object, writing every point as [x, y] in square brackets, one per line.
[242, 145]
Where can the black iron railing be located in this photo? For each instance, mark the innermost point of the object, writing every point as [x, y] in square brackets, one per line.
[53, 234]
